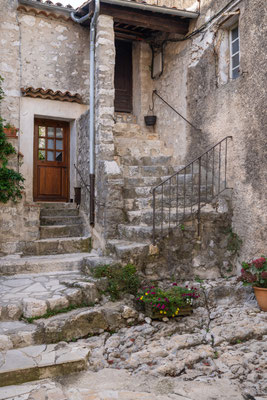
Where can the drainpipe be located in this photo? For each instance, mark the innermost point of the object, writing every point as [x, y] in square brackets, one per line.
[92, 105]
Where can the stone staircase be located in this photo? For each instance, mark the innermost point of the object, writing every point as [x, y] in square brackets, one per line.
[46, 278]
[145, 162]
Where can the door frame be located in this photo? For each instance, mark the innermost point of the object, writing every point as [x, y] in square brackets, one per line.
[53, 122]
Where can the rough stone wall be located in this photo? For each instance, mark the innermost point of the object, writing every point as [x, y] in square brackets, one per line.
[184, 255]
[196, 82]
[57, 57]
[236, 108]
[10, 60]
[19, 224]
[109, 180]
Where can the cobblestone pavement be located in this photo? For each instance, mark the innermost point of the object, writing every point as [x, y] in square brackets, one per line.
[219, 353]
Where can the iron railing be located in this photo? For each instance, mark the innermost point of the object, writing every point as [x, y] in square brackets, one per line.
[185, 192]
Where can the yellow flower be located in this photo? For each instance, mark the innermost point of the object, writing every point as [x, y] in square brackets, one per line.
[141, 298]
[146, 294]
[173, 315]
[165, 312]
[161, 312]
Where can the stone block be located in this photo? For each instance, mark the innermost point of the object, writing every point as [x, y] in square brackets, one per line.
[33, 307]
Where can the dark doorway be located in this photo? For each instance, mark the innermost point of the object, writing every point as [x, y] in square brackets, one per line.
[51, 160]
[123, 77]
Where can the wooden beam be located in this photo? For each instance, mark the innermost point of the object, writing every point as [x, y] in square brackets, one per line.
[145, 19]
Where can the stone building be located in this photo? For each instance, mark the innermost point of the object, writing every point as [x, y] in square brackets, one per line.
[203, 58]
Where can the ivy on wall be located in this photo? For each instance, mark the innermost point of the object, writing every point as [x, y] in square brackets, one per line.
[11, 182]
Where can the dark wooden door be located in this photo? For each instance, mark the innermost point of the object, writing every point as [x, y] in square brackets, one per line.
[123, 77]
[51, 160]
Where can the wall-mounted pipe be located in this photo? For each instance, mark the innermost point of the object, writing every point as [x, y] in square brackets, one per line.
[92, 105]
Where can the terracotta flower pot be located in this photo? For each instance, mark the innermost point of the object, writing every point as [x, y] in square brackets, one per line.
[261, 296]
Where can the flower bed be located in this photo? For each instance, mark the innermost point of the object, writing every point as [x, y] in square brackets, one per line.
[173, 302]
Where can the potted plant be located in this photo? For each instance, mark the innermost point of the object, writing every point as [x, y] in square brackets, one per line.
[255, 275]
[172, 302]
[10, 130]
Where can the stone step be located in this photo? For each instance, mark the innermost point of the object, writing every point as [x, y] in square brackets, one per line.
[59, 212]
[142, 233]
[92, 263]
[56, 205]
[147, 160]
[145, 216]
[60, 231]
[126, 147]
[137, 191]
[83, 322]
[60, 220]
[12, 265]
[34, 295]
[41, 361]
[126, 250]
[16, 334]
[145, 177]
[147, 170]
[58, 246]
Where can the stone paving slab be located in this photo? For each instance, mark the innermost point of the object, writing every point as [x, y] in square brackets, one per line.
[12, 265]
[41, 361]
[14, 334]
[33, 295]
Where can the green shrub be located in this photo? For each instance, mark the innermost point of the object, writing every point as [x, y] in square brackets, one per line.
[121, 279]
[10, 180]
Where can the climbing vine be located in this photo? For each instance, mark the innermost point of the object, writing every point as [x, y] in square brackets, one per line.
[10, 180]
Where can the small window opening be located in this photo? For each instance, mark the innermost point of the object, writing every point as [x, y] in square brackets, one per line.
[234, 53]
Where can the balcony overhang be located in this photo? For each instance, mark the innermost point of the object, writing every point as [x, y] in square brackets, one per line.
[139, 21]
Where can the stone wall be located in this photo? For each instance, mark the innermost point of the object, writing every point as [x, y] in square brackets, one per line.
[196, 82]
[19, 224]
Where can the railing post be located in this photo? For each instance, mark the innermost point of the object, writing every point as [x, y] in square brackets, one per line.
[154, 216]
[199, 196]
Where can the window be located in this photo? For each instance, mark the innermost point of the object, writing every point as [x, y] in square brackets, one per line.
[234, 53]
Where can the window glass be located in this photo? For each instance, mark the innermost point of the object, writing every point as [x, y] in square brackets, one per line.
[50, 132]
[235, 53]
[41, 130]
[41, 143]
[58, 156]
[51, 144]
[41, 155]
[59, 145]
[59, 132]
[50, 156]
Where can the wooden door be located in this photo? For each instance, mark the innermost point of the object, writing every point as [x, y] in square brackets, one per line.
[51, 160]
[123, 77]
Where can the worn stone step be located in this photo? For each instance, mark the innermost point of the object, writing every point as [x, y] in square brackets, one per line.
[92, 263]
[59, 231]
[126, 250]
[33, 295]
[16, 334]
[56, 205]
[154, 171]
[83, 322]
[59, 212]
[147, 160]
[142, 233]
[60, 220]
[41, 361]
[140, 147]
[12, 265]
[58, 246]
[145, 216]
